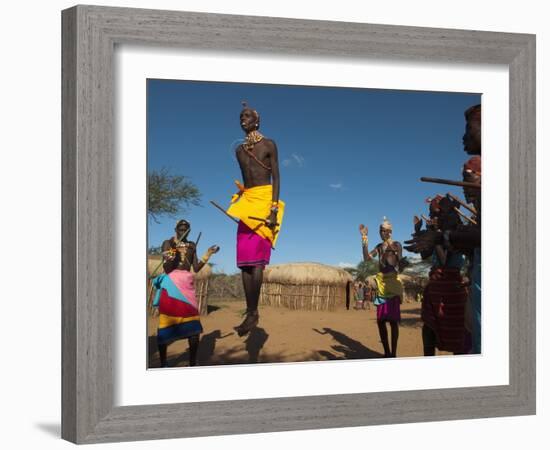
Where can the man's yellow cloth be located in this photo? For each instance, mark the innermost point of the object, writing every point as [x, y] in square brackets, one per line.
[388, 285]
[256, 202]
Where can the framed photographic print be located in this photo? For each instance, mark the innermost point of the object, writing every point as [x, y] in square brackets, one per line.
[335, 124]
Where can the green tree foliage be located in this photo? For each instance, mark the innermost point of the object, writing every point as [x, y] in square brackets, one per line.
[170, 194]
[366, 269]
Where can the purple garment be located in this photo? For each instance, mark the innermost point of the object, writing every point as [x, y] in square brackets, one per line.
[390, 310]
[252, 249]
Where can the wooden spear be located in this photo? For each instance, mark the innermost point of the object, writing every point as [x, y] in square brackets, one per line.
[469, 219]
[451, 182]
[465, 205]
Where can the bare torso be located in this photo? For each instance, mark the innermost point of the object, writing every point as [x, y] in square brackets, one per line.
[254, 173]
[389, 254]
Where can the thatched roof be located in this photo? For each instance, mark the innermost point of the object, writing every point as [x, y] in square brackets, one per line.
[153, 262]
[306, 273]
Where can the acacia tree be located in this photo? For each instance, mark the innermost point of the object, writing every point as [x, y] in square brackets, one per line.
[169, 194]
[366, 268]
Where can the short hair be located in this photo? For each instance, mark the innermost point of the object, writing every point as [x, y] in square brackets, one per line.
[182, 222]
[473, 113]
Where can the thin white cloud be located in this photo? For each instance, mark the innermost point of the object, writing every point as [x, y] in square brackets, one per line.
[299, 159]
[296, 160]
[336, 186]
[344, 265]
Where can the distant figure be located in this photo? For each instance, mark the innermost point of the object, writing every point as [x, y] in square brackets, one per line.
[389, 290]
[359, 292]
[367, 296]
[179, 317]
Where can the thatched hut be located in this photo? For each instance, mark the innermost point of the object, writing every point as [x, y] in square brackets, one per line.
[412, 286]
[201, 280]
[309, 286]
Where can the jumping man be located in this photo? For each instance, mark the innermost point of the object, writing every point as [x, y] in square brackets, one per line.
[259, 209]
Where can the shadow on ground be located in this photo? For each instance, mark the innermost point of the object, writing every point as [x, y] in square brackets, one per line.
[249, 353]
[347, 347]
[414, 321]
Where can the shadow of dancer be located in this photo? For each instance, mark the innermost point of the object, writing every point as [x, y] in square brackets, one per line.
[207, 346]
[350, 348]
[254, 343]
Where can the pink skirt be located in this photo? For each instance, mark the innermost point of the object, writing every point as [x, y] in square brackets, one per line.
[252, 249]
[389, 311]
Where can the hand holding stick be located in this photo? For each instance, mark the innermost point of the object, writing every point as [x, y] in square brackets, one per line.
[461, 203]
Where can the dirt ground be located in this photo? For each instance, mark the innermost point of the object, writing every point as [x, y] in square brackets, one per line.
[285, 335]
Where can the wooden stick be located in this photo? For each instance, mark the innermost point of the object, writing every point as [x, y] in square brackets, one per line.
[426, 219]
[465, 205]
[451, 182]
[223, 211]
[469, 219]
[260, 219]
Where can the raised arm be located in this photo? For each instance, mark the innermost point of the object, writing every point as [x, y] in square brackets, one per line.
[198, 264]
[367, 256]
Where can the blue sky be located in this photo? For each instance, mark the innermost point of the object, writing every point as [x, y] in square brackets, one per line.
[347, 156]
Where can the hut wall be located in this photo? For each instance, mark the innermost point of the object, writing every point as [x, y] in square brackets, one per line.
[303, 297]
[201, 293]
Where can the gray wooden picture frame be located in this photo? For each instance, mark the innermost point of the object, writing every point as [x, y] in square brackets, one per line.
[90, 34]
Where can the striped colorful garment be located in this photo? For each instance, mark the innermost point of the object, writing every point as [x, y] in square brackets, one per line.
[443, 308]
[178, 308]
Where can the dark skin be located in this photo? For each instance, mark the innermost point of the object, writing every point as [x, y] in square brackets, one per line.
[464, 238]
[472, 136]
[186, 254]
[265, 151]
[182, 255]
[389, 254]
[259, 166]
[442, 218]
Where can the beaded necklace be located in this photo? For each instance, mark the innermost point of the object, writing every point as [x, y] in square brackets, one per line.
[251, 139]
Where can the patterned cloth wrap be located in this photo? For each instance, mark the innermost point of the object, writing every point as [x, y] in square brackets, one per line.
[254, 238]
[443, 308]
[178, 308]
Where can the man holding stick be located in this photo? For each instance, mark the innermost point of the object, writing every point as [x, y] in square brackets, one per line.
[259, 210]
[179, 316]
[465, 239]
